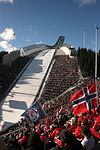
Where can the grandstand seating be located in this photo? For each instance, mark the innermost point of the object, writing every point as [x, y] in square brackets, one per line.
[63, 75]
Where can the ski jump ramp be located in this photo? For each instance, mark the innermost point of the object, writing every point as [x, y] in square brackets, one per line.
[24, 92]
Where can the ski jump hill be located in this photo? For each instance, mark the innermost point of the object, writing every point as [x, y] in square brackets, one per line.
[30, 81]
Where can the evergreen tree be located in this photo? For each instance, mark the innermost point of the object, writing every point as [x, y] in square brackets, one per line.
[86, 60]
[2, 53]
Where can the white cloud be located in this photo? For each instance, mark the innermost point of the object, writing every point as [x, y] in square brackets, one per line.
[8, 34]
[7, 47]
[7, 1]
[86, 2]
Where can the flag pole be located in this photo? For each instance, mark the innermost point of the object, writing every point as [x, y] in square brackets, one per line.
[96, 54]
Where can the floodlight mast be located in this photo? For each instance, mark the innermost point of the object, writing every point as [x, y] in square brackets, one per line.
[96, 49]
[84, 38]
[96, 55]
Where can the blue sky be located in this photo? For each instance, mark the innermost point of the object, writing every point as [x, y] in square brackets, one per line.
[43, 21]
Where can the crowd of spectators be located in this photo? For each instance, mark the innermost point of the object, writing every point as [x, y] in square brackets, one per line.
[60, 130]
[63, 75]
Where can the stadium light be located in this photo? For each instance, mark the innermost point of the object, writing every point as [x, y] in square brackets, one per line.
[84, 38]
[96, 49]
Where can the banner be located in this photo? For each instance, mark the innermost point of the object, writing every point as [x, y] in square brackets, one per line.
[34, 112]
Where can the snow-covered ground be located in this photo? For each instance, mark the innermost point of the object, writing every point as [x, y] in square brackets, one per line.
[26, 88]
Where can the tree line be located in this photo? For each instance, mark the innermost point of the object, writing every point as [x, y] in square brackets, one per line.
[86, 60]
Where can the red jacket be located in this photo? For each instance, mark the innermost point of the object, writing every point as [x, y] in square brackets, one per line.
[96, 125]
[23, 139]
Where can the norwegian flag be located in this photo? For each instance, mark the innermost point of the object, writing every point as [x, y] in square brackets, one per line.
[84, 100]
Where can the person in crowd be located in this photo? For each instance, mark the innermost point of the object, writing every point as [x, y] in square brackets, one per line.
[69, 142]
[96, 125]
[2, 144]
[24, 139]
[88, 142]
[34, 142]
[97, 147]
